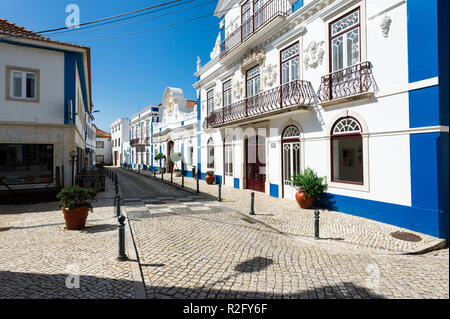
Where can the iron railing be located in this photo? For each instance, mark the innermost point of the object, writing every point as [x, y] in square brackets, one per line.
[269, 11]
[351, 81]
[295, 93]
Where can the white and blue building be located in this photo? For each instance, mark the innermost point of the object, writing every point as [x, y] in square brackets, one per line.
[355, 89]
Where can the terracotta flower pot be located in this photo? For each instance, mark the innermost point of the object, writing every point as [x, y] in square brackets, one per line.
[303, 201]
[209, 179]
[75, 219]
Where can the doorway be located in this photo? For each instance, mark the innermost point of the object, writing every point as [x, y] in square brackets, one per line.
[256, 163]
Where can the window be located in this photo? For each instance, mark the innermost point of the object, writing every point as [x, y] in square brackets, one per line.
[23, 84]
[228, 145]
[210, 101]
[99, 144]
[245, 20]
[118, 142]
[345, 41]
[291, 159]
[253, 81]
[190, 155]
[99, 158]
[210, 153]
[227, 93]
[289, 64]
[346, 152]
[26, 163]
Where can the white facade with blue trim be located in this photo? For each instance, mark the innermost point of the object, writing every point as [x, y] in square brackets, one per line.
[355, 89]
[45, 106]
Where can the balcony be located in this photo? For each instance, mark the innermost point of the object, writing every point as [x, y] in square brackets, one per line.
[293, 94]
[355, 82]
[263, 16]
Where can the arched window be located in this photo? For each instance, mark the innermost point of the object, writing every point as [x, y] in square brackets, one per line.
[291, 159]
[210, 150]
[347, 151]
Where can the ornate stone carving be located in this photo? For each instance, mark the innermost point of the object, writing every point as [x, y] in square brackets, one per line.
[217, 97]
[232, 26]
[269, 75]
[238, 88]
[257, 57]
[216, 50]
[199, 64]
[385, 25]
[313, 54]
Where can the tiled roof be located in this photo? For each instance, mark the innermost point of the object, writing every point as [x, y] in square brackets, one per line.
[190, 104]
[101, 133]
[12, 29]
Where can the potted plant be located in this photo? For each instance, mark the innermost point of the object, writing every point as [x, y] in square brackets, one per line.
[310, 187]
[75, 203]
[160, 156]
[209, 178]
[175, 158]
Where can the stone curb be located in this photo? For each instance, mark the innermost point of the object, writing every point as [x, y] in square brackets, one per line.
[434, 245]
[133, 257]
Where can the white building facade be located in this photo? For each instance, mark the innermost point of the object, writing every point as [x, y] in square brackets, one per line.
[339, 86]
[45, 107]
[119, 138]
[103, 148]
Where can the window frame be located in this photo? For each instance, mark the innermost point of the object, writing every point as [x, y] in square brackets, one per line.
[208, 99]
[331, 37]
[247, 79]
[289, 59]
[102, 143]
[10, 85]
[226, 92]
[102, 157]
[351, 135]
[209, 147]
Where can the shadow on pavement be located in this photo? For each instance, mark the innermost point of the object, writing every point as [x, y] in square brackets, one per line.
[20, 285]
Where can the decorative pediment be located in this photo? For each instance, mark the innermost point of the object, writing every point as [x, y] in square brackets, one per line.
[252, 59]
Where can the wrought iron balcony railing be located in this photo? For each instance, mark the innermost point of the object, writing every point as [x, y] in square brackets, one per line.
[295, 93]
[269, 11]
[355, 80]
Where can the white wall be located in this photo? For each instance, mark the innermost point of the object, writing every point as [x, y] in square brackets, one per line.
[50, 108]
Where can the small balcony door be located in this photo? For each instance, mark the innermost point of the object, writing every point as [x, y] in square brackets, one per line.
[291, 160]
[228, 163]
[246, 21]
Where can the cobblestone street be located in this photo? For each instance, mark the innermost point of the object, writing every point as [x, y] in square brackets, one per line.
[191, 246]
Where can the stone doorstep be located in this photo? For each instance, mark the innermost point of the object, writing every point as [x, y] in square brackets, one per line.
[435, 244]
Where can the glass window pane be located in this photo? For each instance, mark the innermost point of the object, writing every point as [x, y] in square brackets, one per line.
[345, 23]
[31, 84]
[17, 84]
[347, 159]
[352, 47]
[294, 69]
[338, 53]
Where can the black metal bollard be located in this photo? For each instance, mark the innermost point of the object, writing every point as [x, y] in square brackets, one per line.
[154, 173]
[219, 195]
[316, 224]
[252, 203]
[199, 175]
[182, 179]
[118, 213]
[122, 256]
[162, 175]
[116, 186]
[171, 177]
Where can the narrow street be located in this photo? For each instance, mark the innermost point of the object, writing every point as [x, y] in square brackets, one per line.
[191, 246]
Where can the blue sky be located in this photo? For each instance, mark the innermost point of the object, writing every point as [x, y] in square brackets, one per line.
[130, 72]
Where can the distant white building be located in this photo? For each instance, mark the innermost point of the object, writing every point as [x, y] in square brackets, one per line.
[119, 138]
[45, 106]
[103, 154]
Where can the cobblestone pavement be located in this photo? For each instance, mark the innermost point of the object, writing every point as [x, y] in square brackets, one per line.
[191, 246]
[285, 215]
[37, 254]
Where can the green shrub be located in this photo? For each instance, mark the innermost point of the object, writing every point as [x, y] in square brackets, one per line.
[310, 183]
[73, 197]
[159, 156]
[209, 173]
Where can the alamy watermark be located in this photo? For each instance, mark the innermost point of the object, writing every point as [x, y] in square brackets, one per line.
[73, 277]
[73, 19]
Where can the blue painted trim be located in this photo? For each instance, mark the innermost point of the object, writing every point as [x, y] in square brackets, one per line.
[424, 107]
[236, 183]
[417, 219]
[182, 123]
[443, 52]
[422, 39]
[69, 85]
[297, 5]
[274, 190]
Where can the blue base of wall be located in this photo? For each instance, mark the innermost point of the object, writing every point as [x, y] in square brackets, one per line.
[432, 222]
